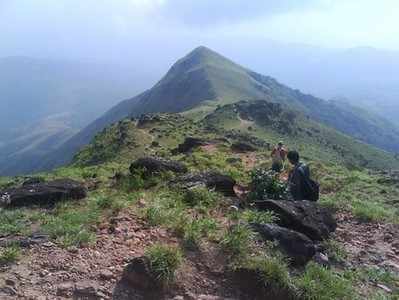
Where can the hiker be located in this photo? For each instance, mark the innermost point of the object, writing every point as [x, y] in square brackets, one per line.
[278, 157]
[300, 185]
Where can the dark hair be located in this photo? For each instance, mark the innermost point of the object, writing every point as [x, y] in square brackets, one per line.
[293, 156]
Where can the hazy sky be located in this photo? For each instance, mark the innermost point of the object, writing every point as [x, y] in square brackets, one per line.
[111, 29]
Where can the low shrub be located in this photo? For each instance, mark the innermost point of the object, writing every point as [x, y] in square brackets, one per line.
[9, 254]
[266, 184]
[164, 261]
[237, 240]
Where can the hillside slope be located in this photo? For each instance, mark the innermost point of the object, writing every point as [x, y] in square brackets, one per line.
[204, 77]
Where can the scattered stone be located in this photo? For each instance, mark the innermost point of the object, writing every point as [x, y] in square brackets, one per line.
[384, 287]
[65, 289]
[152, 165]
[306, 217]
[321, 259]
[10, 282]
[210, 179]
[297, 246]
[44, 193]
[87, 290]
[106, 275]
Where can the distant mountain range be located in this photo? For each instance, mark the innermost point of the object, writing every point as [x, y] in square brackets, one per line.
[204, 79]
[45, 102]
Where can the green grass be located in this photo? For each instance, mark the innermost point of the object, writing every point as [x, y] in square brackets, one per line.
[335, 251]
[201, 197]
[237, 241]
[164, 261]
[320, 283]
[260, 217]
[9, 254]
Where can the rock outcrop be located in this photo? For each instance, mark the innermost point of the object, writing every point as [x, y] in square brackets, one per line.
[210, 179]
[242, 147]
[42, 193]
[306, 217]
[189, 144]
[152, 165]
[297, 246]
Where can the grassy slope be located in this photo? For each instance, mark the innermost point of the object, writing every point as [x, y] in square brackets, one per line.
[203, 79]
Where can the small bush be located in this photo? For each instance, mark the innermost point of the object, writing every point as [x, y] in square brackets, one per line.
[164, 261]
[319, 283]
[9, 254]
[266, 185]
[12, 222]
[237, 240]
[196, 229]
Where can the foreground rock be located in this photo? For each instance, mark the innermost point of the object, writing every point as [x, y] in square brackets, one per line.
[306, 217]
[297, 246]
[152, 165]
[189, 144]
[42, 193]
[210, 179]
[138, 275]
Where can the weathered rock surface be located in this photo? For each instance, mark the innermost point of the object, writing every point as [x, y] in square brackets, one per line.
[137, 274]
[42, 193]
[306, 217]
[23, 242]
[242, 147]
[211, 179]
[297, 246]
[189, 144]
[152, 165]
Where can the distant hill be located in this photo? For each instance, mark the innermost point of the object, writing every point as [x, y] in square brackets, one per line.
[44, 102]
[206, 79]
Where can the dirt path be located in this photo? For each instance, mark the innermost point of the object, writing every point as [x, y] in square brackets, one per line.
[50, 272]
[369, 244]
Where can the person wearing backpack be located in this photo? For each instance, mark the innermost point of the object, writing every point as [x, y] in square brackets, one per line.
[300, 185]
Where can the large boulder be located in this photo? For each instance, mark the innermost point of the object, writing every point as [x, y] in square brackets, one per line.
[189, 144]
[211, 179]
[152, 165]
[297, 246]
[42, 193]
[137, 274]
[306, 217]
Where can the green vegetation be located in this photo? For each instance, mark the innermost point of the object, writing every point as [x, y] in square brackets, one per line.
[319, 283]
[164, 261]
[9, 254]
[267, 185]
[237, 241]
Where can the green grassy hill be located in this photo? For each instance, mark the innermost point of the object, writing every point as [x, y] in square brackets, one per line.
[204, 79]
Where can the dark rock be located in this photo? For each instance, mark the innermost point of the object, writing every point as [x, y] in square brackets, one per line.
[253, 284]
[24, 242]
[88, 290]
[189, 144]
[211, 179]
[247, 138]
[138, 274]
[242, 147]
[45, 193]
[306, 217]
[33, 180]
[233, 160]
[152, 165]
[148, 119]
[297, 246]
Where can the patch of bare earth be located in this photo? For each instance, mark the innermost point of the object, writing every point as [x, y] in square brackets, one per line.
[48, 271]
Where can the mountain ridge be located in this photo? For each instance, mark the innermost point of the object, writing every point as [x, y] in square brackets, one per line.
[204, 76]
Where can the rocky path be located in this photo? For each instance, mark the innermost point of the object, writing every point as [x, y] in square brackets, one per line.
[48, 272]
[369, 244]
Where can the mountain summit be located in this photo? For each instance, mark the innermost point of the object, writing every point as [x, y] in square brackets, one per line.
[204, 78]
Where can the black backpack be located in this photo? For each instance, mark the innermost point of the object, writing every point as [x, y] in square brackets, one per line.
[312, 188]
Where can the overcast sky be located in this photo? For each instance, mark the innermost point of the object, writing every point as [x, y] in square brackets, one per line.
[113, 29]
